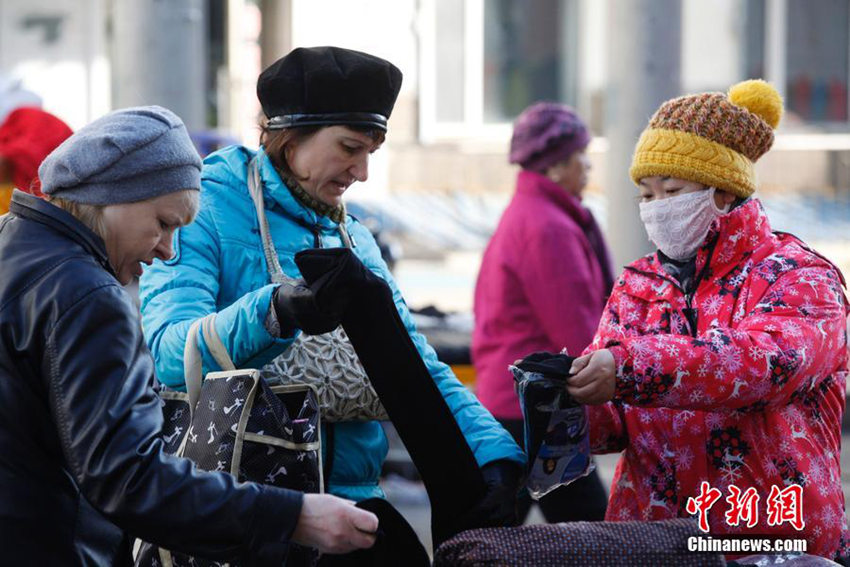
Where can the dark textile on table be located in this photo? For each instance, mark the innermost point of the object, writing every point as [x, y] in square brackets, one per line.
[633, 544]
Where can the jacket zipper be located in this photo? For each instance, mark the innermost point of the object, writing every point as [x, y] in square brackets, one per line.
[689, 312]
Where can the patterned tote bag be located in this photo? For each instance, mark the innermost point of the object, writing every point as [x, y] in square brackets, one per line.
[235, 422]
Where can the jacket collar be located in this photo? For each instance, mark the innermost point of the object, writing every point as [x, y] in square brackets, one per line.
[533, 183]
[736, 235]
[730, 239]
[33, 208]
[275, 189]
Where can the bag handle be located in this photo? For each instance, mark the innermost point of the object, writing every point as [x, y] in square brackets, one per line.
[255, 187]
[192, 365]
[192, 361]
[217, 348]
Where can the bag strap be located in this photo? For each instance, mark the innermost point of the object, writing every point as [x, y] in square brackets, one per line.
[192, 365]
[255, 187]
[192, 361]
[217, 348]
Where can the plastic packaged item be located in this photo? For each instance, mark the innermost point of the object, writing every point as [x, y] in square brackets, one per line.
[784, 559]
[556, 426]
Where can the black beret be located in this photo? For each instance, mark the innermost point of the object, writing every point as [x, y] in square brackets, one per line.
[318, 86]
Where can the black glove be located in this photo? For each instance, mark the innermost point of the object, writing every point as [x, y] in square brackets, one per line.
[498, 508]
[296, 308]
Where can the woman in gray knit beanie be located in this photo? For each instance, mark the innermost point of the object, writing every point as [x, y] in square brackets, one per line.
[132, 177]
[84, 462]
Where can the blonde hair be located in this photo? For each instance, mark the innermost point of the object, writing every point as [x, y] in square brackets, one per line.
[89, 215]
[194, 198]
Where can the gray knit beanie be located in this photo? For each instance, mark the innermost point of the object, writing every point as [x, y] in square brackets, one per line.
[128, 155]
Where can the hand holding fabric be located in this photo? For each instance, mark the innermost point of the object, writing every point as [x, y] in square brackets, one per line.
[296, 308]
[593, 378]
[334, 525]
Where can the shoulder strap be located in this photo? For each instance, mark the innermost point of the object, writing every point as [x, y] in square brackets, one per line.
[255, 187]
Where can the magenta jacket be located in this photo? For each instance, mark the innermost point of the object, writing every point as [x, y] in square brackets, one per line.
[543, 284]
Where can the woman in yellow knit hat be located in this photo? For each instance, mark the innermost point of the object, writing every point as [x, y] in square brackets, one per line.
[719, 365]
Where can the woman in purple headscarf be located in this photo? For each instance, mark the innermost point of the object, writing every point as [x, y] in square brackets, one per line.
[544, 279]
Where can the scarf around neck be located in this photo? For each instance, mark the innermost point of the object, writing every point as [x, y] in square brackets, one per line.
[336, 214]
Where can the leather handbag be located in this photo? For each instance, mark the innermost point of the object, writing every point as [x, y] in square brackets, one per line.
[326, 362]
[235, 422]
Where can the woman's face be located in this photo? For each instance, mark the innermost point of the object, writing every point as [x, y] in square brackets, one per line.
[138, 232]
[658, 187]
[330, 160]
[571, 173]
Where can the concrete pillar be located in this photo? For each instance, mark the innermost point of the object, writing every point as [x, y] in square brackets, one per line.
[644, 70]
[776, 43]
[160, 56]
[276, 34]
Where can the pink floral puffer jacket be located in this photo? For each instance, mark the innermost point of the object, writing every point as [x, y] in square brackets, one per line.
[753, 396]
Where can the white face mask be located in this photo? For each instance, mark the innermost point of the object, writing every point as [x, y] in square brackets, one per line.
[678, 225]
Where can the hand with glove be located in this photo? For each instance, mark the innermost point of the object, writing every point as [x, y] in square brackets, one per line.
[296, 307]
[498, 508]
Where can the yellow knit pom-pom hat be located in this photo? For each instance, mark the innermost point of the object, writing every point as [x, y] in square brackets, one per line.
[711, 138]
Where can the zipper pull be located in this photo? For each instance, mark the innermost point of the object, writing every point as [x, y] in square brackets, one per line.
[690, 314]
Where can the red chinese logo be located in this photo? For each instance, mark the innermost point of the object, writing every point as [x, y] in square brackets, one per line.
[743, 506]
[702, 504]
[786, 505]
[783, 505]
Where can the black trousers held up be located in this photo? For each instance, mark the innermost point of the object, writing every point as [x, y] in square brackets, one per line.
[413, 401]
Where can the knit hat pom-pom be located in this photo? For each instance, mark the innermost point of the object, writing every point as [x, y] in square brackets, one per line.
[760, 98]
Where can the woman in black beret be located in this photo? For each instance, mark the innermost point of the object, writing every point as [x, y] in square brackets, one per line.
[326, 112]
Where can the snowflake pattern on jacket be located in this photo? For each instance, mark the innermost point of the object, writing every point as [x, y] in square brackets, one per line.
[753, 396]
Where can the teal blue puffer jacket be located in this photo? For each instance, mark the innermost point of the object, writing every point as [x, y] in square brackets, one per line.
[219, 267]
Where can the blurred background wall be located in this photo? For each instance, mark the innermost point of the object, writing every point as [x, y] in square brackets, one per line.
[470, 66]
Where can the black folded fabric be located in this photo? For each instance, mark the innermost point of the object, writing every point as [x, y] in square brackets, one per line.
[413, 401]
[396, 543]
[555, 366]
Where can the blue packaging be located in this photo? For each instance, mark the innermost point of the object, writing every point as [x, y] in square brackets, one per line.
[557, 436]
